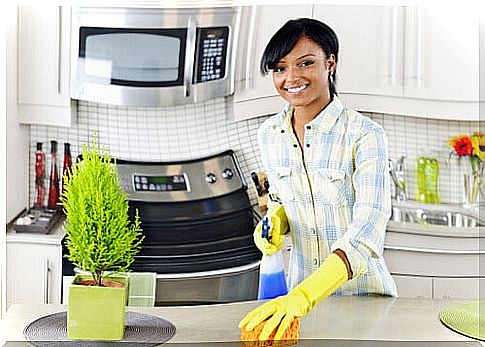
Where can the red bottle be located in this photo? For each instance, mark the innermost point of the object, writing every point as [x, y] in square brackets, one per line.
[67, 162]
[39, 175]
[54, 178]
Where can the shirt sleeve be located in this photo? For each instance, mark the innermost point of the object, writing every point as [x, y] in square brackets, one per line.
[364, 238]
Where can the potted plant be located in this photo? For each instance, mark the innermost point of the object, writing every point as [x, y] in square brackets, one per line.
[100, 240]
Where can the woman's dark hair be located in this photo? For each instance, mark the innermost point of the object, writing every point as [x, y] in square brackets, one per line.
[289, 34]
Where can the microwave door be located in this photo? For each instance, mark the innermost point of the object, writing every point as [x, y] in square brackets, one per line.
[133, 66]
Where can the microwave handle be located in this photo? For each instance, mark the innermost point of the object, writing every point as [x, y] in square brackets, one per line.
[189, 56]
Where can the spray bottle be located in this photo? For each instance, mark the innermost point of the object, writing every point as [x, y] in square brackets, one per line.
[272, 281]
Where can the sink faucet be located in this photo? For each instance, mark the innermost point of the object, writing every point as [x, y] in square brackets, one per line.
[397, 174]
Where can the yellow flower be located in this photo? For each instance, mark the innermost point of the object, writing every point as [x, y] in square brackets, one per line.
[478, 143]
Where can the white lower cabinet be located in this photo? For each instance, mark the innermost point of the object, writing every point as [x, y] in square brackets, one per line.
[434, 265]
[457, 288]
[438, 287]
[414, 286]
[34, 272]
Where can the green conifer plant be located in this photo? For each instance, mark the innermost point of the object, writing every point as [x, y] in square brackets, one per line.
[100, 238]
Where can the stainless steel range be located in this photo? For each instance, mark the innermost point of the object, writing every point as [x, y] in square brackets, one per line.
[198, 224]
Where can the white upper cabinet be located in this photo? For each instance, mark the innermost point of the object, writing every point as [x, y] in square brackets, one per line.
[418, 61]
[255, 94]
[43, 66]
[371, 48]
[442, 53]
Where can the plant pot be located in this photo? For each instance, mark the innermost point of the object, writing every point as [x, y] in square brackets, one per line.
[94, 312]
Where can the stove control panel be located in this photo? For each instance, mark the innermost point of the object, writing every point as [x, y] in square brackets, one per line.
[160, 183]
[181, 181]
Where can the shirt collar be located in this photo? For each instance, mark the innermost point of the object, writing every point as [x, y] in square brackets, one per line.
[324, 121]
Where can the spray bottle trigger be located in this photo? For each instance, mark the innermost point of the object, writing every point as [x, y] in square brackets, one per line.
[265, 229]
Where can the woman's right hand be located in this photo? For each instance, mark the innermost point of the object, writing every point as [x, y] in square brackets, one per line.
[279, 226]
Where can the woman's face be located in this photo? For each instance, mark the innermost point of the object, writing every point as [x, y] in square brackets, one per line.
[301, 77]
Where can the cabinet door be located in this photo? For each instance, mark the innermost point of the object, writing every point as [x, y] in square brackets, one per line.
[442, 53]
[458, 288]
[371, 44]
[33, 273]
[255, 94]
[414, 286]
[43, 65]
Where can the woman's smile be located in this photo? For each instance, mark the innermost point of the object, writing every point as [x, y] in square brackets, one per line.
[295, 90]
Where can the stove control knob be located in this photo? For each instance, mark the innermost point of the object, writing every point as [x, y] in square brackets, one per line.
[210, 178]
[227, 173]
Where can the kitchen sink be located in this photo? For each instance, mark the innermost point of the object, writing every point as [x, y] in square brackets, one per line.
[452, 216]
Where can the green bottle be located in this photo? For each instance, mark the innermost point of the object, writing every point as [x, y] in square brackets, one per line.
[427, 173]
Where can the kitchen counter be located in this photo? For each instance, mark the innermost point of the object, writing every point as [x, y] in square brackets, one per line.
[54, 237]
[337, 318]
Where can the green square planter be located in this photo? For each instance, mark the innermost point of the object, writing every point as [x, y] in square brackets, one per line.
[96, 313]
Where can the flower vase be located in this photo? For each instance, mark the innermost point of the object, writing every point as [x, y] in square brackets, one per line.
[472, 189]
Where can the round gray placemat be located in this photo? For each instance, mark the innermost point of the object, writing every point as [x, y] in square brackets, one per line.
[140, 330]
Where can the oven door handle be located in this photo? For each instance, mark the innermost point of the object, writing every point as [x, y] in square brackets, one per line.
[212, 273]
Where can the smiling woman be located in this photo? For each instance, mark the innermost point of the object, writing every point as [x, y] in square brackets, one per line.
[336, 192]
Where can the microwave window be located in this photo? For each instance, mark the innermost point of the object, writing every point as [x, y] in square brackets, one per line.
[133, 57]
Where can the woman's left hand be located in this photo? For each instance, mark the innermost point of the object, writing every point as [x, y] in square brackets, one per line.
[282, 311]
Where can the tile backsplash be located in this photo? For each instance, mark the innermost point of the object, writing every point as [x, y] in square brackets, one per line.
[197, 130]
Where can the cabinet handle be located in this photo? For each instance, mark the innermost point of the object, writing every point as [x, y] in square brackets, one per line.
[59, 47]
[431, 250]
[248, 78]
[189, 54]
[46, 281]
[393, 51]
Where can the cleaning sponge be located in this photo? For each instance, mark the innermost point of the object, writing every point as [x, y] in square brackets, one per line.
[290, 336]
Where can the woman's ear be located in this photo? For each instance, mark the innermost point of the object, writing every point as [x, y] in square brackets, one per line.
[331, 64]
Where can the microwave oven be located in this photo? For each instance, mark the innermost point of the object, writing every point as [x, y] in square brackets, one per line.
[153, 57]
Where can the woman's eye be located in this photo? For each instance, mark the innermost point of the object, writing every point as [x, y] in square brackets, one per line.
[278, 69]
[306, 63]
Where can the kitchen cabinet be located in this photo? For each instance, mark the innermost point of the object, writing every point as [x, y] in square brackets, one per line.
[43, 66]
[34, 268]
[432, 263]
[414, 286]
[255, 94]
[418, 61]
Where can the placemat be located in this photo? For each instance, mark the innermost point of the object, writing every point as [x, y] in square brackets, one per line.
[465, 319]
[140, 330]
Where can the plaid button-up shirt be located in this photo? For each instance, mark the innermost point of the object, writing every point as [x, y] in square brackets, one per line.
[335, 191]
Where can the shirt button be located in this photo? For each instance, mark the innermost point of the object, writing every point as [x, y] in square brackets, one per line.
[295, 145]
[314, 231]
[308, 127]
[282, 131]
[308, 145]
[315, 261]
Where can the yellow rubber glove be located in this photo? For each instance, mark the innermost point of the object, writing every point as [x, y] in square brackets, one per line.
[279, 225]
[299, 301]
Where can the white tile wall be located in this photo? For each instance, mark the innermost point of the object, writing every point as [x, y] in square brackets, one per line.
[197, 130]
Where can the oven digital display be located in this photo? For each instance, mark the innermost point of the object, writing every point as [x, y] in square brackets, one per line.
[142, 183]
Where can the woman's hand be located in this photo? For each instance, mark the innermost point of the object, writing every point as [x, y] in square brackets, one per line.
[300, 300]
[279, 226]
[280, 311]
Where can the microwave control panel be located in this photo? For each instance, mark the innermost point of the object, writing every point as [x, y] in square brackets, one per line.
[211, 54]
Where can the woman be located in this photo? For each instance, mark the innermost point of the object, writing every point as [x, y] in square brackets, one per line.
[329, 184]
